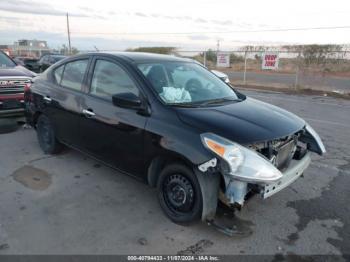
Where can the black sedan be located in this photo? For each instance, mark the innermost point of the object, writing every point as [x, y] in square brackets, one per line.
[172, 124]
[48, 60]
[28, 62]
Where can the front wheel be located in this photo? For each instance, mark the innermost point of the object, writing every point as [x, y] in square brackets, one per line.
[46, 136]
[179, 194]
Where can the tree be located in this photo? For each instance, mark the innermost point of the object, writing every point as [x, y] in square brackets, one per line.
[75, 51]
[236, 58]
[64, 50]
[211, 55]
[316, 54]
[166, 50]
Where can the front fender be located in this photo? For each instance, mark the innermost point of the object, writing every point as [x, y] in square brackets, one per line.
[171, 136]
[209, 183]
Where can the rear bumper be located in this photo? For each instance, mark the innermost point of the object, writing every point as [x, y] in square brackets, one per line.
[295, 170]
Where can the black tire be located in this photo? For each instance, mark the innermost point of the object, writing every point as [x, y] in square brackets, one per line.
[46, 136]
[179, 194]
[8, 125]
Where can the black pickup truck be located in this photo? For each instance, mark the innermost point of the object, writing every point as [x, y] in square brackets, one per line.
[13, 80]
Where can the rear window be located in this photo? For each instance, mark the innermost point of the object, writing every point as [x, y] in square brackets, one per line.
[58, 74]
[73, 74]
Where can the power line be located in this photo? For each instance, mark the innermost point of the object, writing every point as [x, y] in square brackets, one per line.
[221, 32]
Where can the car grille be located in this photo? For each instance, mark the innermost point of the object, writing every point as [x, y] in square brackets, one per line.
[13, 85]
[279, 152]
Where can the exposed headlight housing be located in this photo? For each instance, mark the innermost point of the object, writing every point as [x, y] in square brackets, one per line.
[317, 138]
[244, 164]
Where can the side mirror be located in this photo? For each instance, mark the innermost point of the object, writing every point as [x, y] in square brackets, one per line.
[127, 100]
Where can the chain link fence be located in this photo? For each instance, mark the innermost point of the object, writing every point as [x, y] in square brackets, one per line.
[327, 71]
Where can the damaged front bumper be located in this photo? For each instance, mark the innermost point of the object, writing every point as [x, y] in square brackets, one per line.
[237, 190]
[294, 171]
[266, 168]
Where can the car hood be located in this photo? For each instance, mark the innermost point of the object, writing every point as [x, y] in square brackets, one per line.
[246, 122]
[16, 71]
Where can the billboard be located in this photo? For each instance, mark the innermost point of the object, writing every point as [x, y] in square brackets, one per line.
[270, 61]
[223, 60]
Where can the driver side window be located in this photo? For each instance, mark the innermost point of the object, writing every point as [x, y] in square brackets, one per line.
[110, 79]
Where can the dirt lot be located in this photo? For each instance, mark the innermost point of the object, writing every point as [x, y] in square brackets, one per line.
[70, 204]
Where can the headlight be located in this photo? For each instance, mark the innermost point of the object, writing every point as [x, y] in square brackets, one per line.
[317, 138]
[244, 164]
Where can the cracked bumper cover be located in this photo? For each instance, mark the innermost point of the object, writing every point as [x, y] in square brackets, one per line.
[236, 190]
[291, 174]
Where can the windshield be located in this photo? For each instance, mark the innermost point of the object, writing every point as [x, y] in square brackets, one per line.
[5, 61]
[186, 83]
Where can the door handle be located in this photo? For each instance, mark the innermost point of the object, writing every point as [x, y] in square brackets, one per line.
[47, 99]
[88, 113]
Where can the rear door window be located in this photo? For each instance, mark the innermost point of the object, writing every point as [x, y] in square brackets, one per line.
[73, 74]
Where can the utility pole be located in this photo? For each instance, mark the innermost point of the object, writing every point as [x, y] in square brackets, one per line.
[68, 32]
[245, 68]
[217, 50]
[296, 82]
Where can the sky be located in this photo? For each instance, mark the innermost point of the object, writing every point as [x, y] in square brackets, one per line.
[184, 24]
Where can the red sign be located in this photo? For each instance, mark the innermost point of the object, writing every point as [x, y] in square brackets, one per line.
[270, 61]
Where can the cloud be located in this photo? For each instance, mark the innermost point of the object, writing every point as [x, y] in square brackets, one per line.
[54, 39]
[141, 14]
[199, 37]
[14, 21]
[201, 20]
[30, 7]
[186, 18]
[10, 19]
[222, 22]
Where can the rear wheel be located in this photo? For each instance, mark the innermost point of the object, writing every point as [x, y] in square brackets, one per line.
[179, 194]
[46, 136]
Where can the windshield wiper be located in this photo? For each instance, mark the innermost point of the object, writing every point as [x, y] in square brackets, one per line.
[205, 103]
[184, 104]
[219, 101]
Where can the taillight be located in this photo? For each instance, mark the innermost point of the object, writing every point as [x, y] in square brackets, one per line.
[27, 87]
[28, 97]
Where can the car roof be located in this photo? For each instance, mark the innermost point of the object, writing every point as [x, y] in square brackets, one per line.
[139, 57]
[58, 55]
[49, 54]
